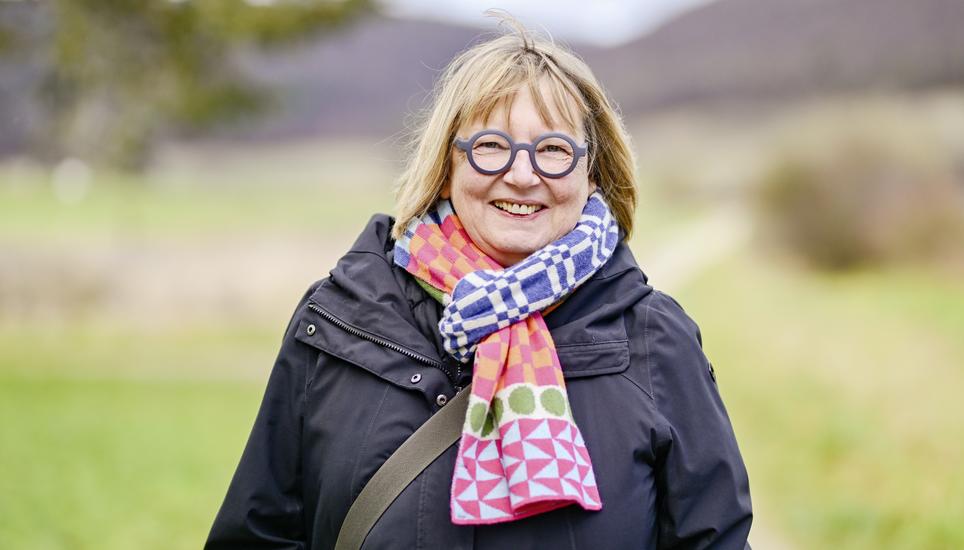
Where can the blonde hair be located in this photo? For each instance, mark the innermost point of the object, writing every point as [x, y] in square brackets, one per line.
[487, 76]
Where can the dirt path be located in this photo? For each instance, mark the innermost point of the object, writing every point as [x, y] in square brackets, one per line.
[163, 283]
[674, 264]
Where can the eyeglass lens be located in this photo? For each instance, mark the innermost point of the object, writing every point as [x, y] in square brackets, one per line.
[553, 155]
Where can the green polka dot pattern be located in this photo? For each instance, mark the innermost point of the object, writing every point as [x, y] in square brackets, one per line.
[477, 416]
[553, 401]
[522, 401]
[488, 426]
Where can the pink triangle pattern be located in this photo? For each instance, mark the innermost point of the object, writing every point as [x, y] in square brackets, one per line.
[535, 465]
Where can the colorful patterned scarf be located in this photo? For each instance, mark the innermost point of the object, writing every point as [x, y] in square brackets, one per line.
[521, 452]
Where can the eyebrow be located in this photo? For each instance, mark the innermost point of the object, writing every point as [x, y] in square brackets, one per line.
[487, 124]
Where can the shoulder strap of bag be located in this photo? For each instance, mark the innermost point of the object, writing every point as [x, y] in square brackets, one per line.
[421, 448]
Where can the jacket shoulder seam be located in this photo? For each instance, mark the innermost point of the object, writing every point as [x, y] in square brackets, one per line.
[647, 307]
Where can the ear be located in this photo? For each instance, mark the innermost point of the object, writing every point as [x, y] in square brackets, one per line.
[592, 188]
[446, 190]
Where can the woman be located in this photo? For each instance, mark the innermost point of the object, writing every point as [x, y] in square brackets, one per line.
[593, 417]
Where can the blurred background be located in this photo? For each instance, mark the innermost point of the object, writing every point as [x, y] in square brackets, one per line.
[174, 174]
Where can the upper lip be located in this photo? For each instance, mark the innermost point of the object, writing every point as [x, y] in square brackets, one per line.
[518, 201]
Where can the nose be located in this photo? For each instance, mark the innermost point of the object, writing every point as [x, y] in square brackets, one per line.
[521, 173]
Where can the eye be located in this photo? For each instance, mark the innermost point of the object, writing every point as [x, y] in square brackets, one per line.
[554, 149]
[554, 146]
[490, 144]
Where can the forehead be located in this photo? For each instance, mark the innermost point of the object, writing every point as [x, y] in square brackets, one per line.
[556, 107]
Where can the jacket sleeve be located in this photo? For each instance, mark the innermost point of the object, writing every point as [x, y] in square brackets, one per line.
[703, 493]
[263, 505]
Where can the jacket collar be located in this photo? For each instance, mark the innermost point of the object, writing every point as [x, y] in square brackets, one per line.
[368, 292]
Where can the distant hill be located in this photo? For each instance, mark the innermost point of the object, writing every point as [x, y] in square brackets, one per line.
[367, 78]
[362, 80]
[756, 49]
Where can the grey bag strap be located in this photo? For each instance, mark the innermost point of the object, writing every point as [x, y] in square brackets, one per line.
[421, 448]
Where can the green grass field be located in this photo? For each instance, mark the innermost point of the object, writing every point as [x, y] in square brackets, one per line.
[124, 207]
[844, 392]
[118, 437]
[110, 463]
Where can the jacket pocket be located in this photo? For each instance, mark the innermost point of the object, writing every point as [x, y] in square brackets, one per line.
[593, 359]
[389, 361]
[380, 361]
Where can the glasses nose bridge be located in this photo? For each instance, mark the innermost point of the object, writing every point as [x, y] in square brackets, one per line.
[529, 148]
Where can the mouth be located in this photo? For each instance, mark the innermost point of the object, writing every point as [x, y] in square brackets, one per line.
[517, 209]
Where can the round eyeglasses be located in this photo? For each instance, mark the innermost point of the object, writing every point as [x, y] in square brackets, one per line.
[491, 152]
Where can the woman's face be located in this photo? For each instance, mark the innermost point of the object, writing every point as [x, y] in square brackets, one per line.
[506, 237]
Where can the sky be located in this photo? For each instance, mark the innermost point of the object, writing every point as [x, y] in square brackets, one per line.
[602, 22]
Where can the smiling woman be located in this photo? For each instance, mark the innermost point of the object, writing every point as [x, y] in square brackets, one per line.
[500, 310]
[497, 88]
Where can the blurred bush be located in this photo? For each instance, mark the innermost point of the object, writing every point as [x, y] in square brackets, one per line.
[858, 189]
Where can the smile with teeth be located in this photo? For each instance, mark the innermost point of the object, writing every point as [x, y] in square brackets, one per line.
[513, 208]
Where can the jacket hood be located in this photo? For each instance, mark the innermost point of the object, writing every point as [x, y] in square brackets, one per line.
[368, 292]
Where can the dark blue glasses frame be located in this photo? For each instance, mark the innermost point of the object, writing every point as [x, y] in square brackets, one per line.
[466, 146]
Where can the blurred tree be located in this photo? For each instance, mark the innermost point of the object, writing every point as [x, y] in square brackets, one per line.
[113, 76]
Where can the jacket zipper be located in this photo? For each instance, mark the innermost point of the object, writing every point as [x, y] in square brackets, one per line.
[381, 342]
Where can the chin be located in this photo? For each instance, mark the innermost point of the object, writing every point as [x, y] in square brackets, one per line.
[516, 252]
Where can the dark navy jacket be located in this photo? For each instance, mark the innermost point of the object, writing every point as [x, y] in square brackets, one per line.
[343, 396]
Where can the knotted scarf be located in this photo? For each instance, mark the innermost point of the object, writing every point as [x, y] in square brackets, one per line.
[521, 452]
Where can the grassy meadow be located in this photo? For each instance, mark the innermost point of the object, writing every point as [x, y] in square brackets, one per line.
[122, 426]
[845, 396]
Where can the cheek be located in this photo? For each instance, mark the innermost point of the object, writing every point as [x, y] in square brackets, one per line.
[454, 188]
[573, 194]
[469, 185]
